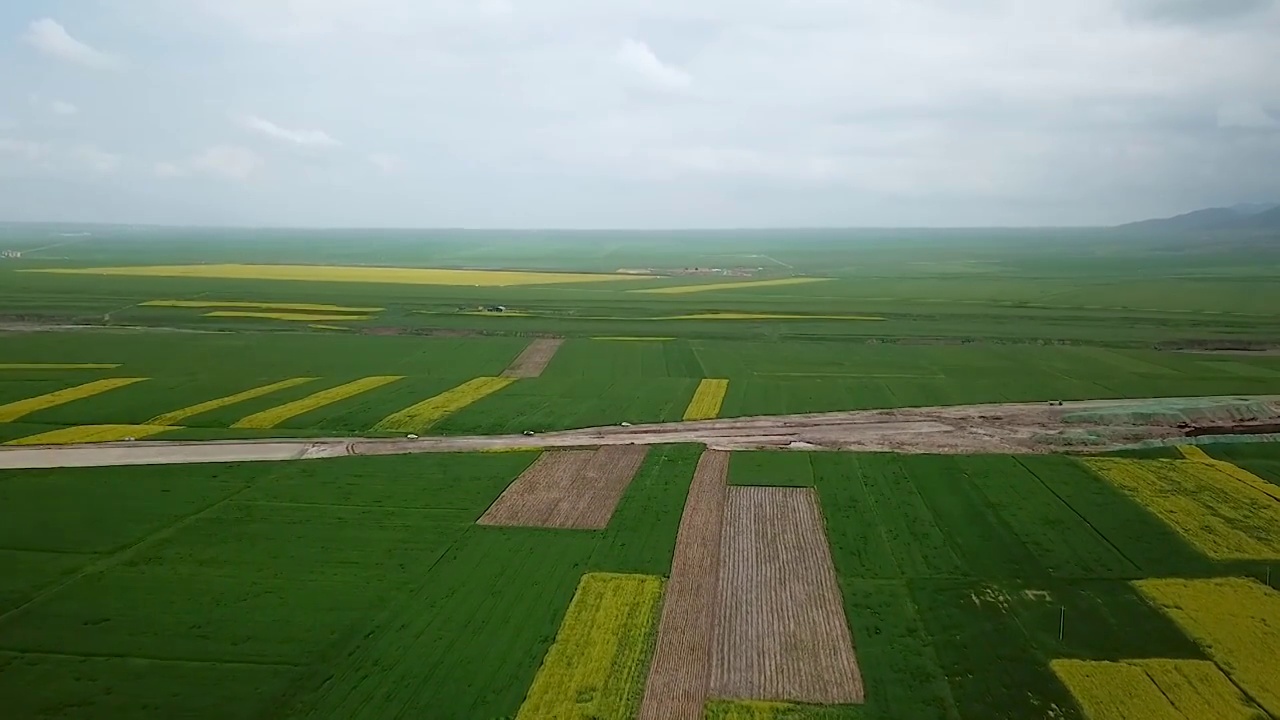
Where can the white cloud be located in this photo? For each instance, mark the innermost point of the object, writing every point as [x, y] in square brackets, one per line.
[168, 170]
[228, 161]
[98, 161]
[386, 162]
[62, 107]
[1246, 115]
[307, 138]
[49, 37]
[637, 58]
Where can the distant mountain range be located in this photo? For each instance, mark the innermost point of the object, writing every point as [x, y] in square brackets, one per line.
[1245, 216]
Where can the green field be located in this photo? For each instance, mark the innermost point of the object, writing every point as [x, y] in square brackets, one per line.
[975, 586]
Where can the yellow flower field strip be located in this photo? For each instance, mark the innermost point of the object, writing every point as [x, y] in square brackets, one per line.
[338, 273]
[177, 416]
[59, 366]
[709, 287]
[92, 434]
[274, 416]
[328, 327]
[1235, 621]
[1222, 517]
[289, 307]
[768, 710]
[707, 399]
[296, 317]
[620, 318]
[1246, 477]
[1154, 690]
[1193, 452]
[22, 408]
[420, 416]
[597, 666]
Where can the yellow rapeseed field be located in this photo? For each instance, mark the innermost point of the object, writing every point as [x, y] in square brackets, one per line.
[335, 273]
[21, 408]
[91, 434]
[1217, 513]
[59, 366]
[707, 399]
[1236, 621]
[1154, 690]
[177, 416]
[296, 317]
[1193, 452]
[420, 416]
[737, 285]
[597, 666]
[767, 710]
[276, 415]
[288, 307]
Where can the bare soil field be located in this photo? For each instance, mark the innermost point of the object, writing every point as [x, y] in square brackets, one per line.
[780, 632]
[680, 675]
[1008, 428]
[574, 489]
[534, 359]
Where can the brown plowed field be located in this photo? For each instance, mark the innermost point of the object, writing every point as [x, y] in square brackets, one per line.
[780, 632]
[679, 678]
[534, 359]
[576, 489]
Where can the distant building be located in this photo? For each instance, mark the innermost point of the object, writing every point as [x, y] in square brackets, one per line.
[10, 254]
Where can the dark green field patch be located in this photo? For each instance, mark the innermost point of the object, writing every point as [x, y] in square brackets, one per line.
[202, 617]
[985, 542]
[467, 643]
[53, 686]
[900, 672]
[778, 468]
[1063, 541]
[374, 547]
[461, 481]
[859, 543]
[991, 666]
[641, 536]
[108, 508]
[24, 573]
[559, 403]
[919, 546]
[1098, 620]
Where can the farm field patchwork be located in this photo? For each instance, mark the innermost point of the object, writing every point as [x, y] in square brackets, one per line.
[354, 274]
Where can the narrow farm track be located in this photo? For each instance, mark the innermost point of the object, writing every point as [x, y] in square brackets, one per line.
[966, 429]
[680, 674]
[780, 630]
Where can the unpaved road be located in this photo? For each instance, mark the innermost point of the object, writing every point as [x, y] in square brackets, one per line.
[999, 428]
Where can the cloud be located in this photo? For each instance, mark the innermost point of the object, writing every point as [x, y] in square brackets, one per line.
[1193, 11]
[1246, 115]
[228, 161]
[168, 170]
[50, 38]
[23, 149]
[62, 107]
[98, 161]
[306, 138]
[387, 163]
[637, 58]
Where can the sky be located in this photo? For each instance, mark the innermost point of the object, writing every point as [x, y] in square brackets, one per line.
[635, 113]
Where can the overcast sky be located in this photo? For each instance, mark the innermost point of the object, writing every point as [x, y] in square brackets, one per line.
[636, 113]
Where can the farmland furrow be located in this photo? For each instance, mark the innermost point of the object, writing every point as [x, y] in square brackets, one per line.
[780, 632]
[679, 678]
[534, 359]
[576, 489]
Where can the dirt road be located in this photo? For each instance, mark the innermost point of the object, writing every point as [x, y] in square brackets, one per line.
[1000, 428]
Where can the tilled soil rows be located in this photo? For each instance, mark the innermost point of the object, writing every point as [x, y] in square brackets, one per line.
[575, 489]
[780, 632]
[534, 359]
[679, 677]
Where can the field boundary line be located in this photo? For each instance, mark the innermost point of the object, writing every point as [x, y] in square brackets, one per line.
[147, 658]
[1139, 572]
[111, 560]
